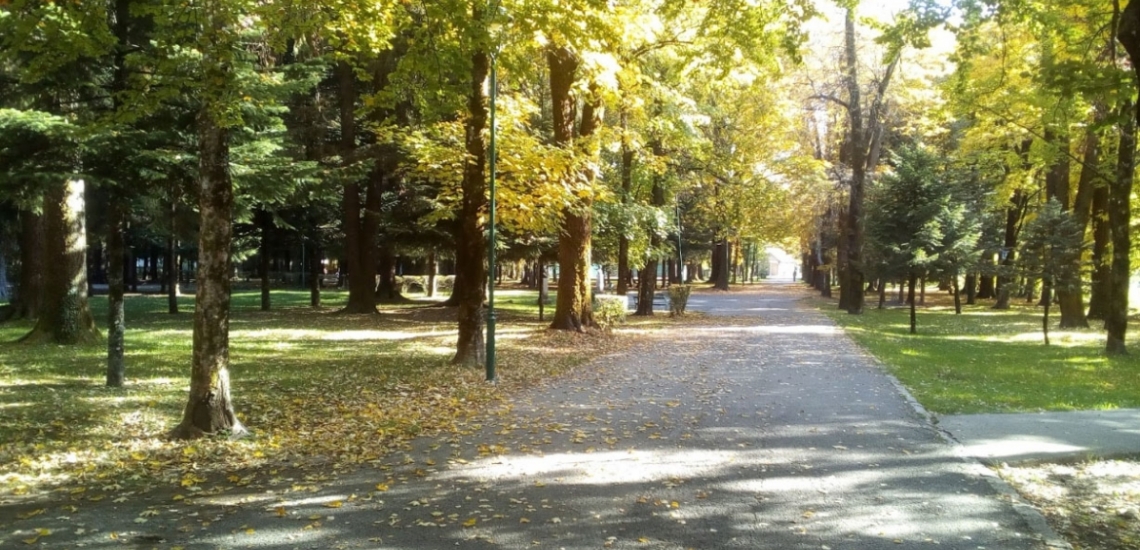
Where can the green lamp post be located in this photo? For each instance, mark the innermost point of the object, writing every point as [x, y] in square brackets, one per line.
[492, 153]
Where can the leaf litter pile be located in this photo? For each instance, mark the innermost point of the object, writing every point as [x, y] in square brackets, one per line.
[320, 391]
[1094, 505]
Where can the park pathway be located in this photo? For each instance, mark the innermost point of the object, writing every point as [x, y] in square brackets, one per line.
[763, 427]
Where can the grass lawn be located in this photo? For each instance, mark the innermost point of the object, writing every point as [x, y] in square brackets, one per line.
[313, 385]
[994, 361]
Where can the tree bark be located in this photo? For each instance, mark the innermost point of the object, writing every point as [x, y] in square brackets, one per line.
[209, 409]
[853, 269]
[264, 221]
[359, 242]
[572, 311]
[1119, 197]
[1012, 225]
[957, 294]
[28, 299]
[1071, 302]
[66, 316]
[910, 298]
[1101, 260]
[971, 288]
[316, 273]
[116, 316]
[721, 265]
[471, 246]
[172, 264]
[626, 188]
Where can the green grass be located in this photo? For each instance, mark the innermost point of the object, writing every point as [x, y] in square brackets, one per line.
[995, 361]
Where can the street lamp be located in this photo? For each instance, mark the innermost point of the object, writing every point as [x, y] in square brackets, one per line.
[491, 160]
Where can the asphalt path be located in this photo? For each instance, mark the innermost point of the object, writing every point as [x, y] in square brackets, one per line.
[763, 427]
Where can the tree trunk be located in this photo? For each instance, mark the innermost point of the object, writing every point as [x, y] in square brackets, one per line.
[572, 311]
[1012, 224]
[471, 247]
[116, 317]
[209, 409]
[853, 268]
[626, 189]
[910, 298]
[1102, 262]
[359, 242]
[387, 289]
[28, 299]
[1045, 323]
[1119, 215]
[721, 263]
[647, 282]
[433, 271]
[1071, 302]
[264, 220]
[971, 288]
[957, 294]
[66, 316]
[316, 273]
[882, 294]
[172, 266]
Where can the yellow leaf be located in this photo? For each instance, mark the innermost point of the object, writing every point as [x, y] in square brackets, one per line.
[32, 540]
[249, 531]
[177, 497]
[280, 511]
[470, 523]
[138, 456]
[524, 520]
[334, 504]
[31, 514]
[43, 532]
[674, 504]
[643, 540]
[381, 487]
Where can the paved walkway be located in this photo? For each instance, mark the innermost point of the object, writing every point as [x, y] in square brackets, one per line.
[767, 430]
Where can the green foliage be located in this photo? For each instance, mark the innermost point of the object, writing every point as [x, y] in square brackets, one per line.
[1051, 248]
[679, 299]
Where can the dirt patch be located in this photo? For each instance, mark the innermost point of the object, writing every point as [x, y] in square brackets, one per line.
[1094, 505]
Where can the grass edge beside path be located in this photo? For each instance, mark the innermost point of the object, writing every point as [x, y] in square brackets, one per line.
[987, 361]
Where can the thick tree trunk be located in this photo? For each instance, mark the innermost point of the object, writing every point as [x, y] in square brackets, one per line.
[1120, 193]
[626, 189]
[1045, 323]
[646, 286]
[1101, 260]
[116, 317]
[471, 246]
[720, 277]
[1119, 217]
[359, 242]
[66, 316]
[1071, 302]
[28, 299]
[209, 409]
[386, 288]
[573, 310]
[853, 269]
